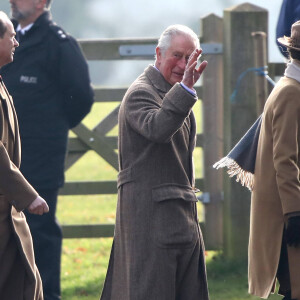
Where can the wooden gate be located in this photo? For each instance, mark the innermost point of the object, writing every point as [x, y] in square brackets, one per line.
[96, 139]
[226, 210]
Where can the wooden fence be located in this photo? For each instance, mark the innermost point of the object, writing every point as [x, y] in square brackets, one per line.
[225, 223]
[96, 139]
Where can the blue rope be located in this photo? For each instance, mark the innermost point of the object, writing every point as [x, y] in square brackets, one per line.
[262, 71]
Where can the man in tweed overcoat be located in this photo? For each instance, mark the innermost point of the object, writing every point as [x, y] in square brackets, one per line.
[158, 251]
[19, 276]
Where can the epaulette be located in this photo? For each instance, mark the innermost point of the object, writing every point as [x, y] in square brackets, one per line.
[59, 32]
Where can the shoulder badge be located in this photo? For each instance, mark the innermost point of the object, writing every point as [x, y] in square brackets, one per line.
[59, 32]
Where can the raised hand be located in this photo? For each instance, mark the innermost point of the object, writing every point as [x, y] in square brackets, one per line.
[191, 73]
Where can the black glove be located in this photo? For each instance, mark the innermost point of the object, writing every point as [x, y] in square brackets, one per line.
[293, 231]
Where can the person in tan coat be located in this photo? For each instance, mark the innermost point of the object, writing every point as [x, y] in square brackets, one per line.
[274, 246]
[158, 250]
[19, 276]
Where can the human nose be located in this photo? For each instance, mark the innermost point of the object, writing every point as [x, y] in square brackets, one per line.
[16, 43]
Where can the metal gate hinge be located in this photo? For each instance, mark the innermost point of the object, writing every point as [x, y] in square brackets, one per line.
[204, 198]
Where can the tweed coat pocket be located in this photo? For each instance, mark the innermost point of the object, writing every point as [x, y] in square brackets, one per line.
[174, 219]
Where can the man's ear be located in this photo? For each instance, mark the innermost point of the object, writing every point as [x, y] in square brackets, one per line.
[158, 54]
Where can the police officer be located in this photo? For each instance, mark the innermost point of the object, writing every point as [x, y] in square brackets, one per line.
[50, 84]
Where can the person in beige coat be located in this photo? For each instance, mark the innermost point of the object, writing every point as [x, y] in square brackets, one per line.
[19, 277]
[274, 247]
[158, 251]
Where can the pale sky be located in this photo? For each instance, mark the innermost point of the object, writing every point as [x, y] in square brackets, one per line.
[149, 18]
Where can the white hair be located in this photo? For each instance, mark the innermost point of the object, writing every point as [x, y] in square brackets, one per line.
[165, 39]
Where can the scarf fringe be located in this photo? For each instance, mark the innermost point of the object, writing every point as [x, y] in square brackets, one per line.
[244, 177]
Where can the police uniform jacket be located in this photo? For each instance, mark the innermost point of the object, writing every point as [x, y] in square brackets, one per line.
[50, 85]
[19, 277]
[158, 248]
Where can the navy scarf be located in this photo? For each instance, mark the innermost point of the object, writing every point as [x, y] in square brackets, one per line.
[240, 161]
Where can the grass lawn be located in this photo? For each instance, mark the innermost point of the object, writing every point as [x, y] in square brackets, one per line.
[84, 261]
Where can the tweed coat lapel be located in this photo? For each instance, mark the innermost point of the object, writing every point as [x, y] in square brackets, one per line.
[158, 81]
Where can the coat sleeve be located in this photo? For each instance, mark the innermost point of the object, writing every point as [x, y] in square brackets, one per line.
[286, 125]
[153, 121]
[75, 81]
[13, 184]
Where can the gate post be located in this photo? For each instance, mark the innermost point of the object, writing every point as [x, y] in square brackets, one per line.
[260, 59]
[212, 110]
[239, 22]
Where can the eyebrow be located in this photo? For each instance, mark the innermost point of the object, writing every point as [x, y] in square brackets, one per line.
[180, 53]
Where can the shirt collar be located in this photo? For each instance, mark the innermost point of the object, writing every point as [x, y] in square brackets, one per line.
[156, 68]
[23, 30]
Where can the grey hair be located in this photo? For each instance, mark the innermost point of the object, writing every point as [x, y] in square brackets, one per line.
[164, 40]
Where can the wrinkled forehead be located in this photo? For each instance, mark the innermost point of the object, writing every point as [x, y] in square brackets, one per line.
[183, 43]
